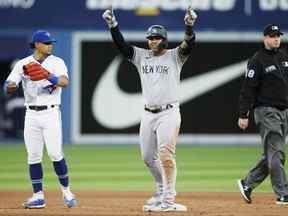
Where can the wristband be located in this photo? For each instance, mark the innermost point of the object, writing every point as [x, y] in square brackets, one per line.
[53, 79]
[5, 87]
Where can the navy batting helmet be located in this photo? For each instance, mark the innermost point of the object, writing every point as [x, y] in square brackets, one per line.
[156, 31]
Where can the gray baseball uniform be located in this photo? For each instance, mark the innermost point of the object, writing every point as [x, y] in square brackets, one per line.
[160, 79]
[160, 75]
[159, 69]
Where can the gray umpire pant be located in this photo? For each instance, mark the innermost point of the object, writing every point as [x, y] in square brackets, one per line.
[273, 126]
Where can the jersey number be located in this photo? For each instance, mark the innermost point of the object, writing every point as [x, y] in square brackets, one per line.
[250, 73]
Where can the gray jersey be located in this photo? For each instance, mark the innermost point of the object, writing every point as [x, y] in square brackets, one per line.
[160, 75]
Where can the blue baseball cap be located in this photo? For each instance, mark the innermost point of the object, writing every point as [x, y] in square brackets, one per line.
[42, 36]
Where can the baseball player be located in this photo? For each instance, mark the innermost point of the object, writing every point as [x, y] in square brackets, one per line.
[42, 75]
[159, 70]
[265, 91]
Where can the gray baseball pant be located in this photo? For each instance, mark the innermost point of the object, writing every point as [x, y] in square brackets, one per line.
[273, 127]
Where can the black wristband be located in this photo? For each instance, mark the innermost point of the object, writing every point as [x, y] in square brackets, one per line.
[244, 114]
[189, 30]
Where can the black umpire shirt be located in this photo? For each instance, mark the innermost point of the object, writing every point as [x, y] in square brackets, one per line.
[266, 81]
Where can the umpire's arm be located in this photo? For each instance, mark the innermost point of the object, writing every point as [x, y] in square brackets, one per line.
[248, 92]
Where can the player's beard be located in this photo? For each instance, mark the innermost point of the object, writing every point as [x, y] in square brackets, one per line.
[158, 48]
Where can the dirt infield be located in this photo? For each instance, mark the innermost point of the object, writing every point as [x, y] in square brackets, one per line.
[128, 204]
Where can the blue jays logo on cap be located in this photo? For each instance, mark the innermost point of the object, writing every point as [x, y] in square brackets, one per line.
[42, 37]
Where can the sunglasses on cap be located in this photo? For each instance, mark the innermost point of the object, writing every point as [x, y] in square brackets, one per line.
[47, 43]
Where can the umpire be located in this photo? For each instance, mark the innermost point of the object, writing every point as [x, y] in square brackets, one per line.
[265, 89]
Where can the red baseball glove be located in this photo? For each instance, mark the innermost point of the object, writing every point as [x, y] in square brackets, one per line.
[35, 71]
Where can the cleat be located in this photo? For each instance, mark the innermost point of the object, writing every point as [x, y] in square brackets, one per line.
[165, 207]
[156, 199]
[245, 191]
[35, 202]
[147, 208]
[69, 199]
[282, 200]
[70, 203]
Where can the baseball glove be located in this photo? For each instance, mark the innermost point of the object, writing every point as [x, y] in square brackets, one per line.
[35, 71]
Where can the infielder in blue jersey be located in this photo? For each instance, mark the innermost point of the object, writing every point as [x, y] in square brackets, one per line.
[159, 70]
[42, 75]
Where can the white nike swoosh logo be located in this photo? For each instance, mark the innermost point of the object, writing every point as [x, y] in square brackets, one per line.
[116, 109]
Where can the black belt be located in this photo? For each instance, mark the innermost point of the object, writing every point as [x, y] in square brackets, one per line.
[157, 110]
[40, 108]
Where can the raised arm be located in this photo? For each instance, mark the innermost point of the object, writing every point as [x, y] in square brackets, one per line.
[126, 49]
[189, 38]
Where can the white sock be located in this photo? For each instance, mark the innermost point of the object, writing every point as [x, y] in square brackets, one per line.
[67, 192]
[38, 195]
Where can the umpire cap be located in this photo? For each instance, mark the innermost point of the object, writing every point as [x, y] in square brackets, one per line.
[41, 36]
[272, 29]
[156, 31]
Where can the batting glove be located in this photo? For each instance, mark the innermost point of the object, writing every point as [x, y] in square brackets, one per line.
[190, 17]
[110, 18]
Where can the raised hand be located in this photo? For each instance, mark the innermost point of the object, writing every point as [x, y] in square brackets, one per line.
[190, 17]
[110, 18]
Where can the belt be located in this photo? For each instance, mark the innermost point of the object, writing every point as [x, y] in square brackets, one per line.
[160, 109]
[40, 108]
